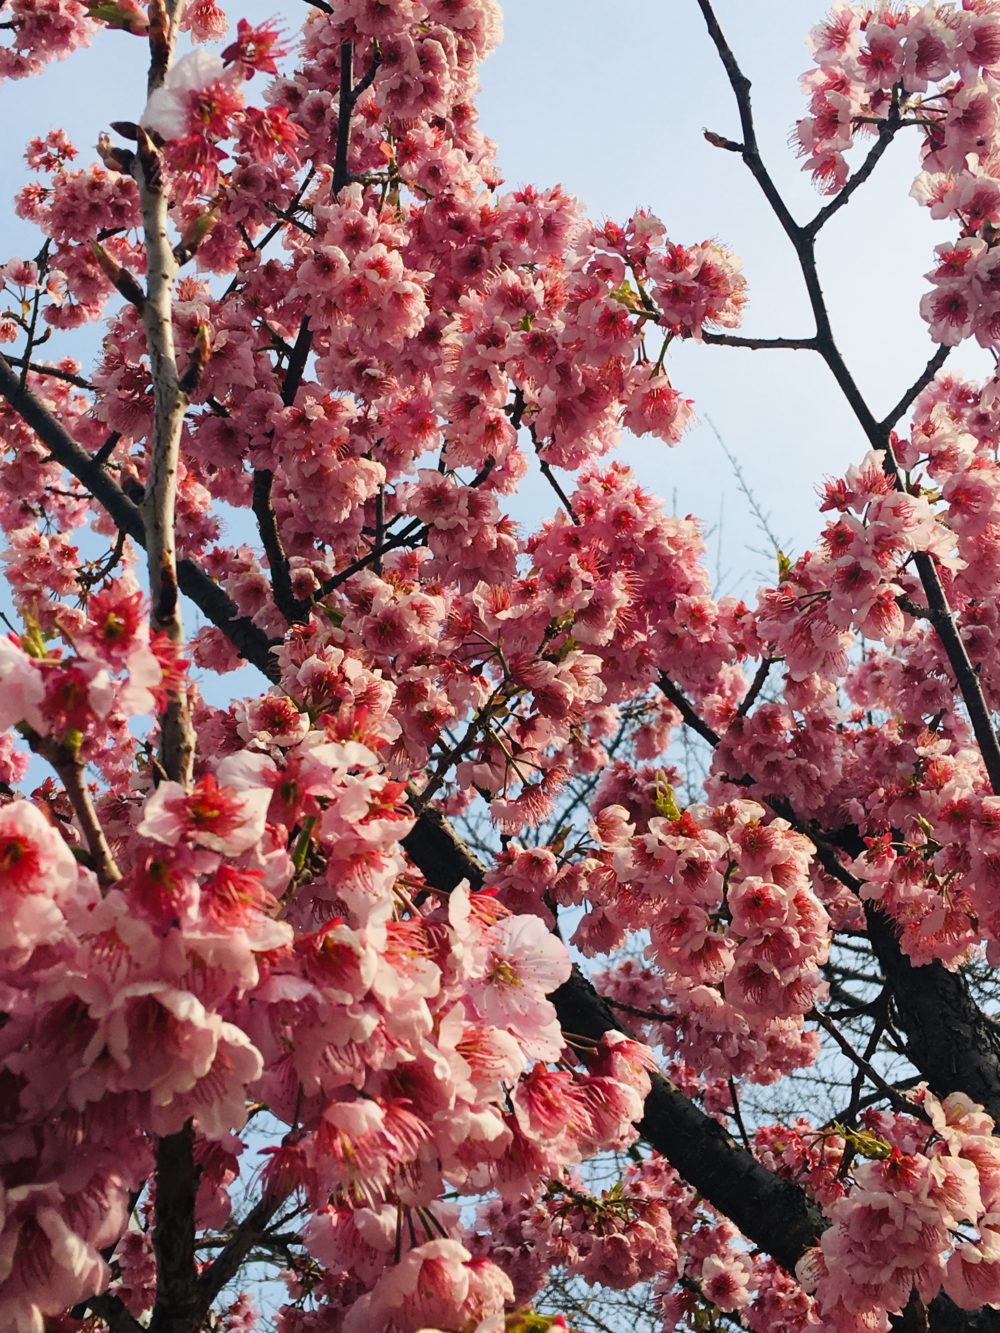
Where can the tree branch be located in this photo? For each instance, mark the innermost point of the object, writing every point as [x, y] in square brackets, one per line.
[177, 1306]
[756, 685]
[759, 344]
[683, 705]
[113, 1311]
[69, 767]
[923, 379]
[772, 1212]
[886, 133]
[228, 1261]
[249, 641]
[53, 372]
[348, 98]
[174, 1228]
[940, 615]
[896, 1099]
[294, 610]
[158, 507]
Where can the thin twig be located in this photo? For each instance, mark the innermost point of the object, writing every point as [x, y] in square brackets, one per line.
[923, 379]
[70, 769]
[886, 132]
[756, 685]
[763, 522]
[759, 344]
[738, 1114]
[887, 1090]
[53, 372]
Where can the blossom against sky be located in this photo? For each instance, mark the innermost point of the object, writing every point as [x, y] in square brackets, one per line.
[616, 116]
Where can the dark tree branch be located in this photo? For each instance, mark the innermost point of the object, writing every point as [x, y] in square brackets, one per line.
[177, 1306]
[931, 1001]
[923, 379]
[291, 607]
[413, 532]
[216, 605]
[886, 133]
[759, 344]
[772, 1212]
[748, 149]
[683, 705]
[113, 1311]
[756, 685]
[294, 611]
[650, 1015]
[948, 1038]
[940, 615]
[348, 98]
[238, 1246]
[53, 372]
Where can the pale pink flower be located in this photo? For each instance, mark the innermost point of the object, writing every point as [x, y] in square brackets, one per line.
[38, 877]
[195, 76]
[524, 962]
[21, 688]
[210, 816]
[428, 1287]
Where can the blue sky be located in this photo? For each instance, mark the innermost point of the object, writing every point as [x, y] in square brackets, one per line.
[614, 111]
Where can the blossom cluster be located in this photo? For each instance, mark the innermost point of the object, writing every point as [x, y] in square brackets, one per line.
[933, 67]
[378, 344]
[919, 1217]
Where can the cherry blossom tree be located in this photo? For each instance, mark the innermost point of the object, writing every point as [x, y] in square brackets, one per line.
[269, 1006]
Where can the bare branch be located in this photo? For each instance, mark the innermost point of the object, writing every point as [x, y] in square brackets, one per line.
[53, 372]
[69, 767]
[923, 379]
[683, 705]
[895, 1098]
[759, 344]
[176, 1309]
[886, 133]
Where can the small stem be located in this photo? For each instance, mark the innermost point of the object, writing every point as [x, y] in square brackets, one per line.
[738, 1114]
[886, 132]
[760, 344]
[651, 1015]
[887, 1090]
[684, 706]
[70, 769]
[756, 685]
